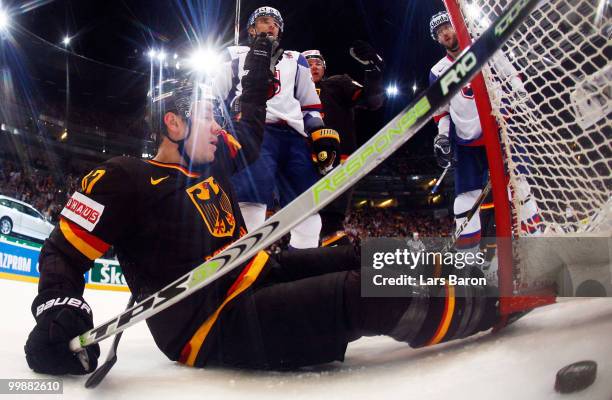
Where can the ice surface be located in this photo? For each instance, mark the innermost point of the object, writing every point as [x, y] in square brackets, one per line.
[518, 363]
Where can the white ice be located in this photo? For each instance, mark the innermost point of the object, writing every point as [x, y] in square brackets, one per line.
[518, 363]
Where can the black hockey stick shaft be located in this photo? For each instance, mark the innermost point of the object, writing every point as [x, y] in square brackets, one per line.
[391, 137]
[99, 374]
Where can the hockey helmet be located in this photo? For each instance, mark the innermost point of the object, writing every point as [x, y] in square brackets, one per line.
[266, 12]
[308, 54]
[178, 95]
[436, 21]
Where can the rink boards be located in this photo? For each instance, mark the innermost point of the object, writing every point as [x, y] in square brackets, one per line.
[19, 261]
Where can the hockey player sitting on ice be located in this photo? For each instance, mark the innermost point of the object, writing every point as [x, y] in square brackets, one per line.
[293, 116]
[460, 143]
[340, 95]
[165, 216]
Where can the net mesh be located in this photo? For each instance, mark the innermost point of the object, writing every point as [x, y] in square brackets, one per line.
[551, 93]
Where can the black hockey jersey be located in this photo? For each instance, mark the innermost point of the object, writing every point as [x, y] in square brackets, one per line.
[163, 220]
[339, 95]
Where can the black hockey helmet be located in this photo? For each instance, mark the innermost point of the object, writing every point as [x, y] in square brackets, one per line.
[178, 95]
[170, 95]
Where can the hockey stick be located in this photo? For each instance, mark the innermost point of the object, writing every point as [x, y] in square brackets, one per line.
[237, 24]
[439, 181]
[399, 130]
[96, 377]
[473, 211]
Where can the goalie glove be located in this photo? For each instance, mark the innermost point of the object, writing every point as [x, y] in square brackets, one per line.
[258, 83]
[442, 151]
[326, 146]
[366, 55]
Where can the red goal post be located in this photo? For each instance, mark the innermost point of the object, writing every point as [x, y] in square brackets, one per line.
[554, 139]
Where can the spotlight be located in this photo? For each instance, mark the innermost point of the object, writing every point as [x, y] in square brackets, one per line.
[392, 91]
[204, 61]
[152, 53]
[66, 40]
[4, 19]
[161, 56]
[414, 88]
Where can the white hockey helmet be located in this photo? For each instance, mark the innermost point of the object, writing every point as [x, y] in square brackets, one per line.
[314, 54]
[436, 21]
[266, 12]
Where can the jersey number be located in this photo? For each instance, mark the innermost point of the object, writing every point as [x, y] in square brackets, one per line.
[91, 179]
[277, 82]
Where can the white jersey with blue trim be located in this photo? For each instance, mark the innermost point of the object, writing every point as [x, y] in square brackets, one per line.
[295, 101]
[462, 107]
[462, 111]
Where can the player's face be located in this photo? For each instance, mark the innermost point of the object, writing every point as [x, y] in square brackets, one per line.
[447, 37]
[267, 25]
[316, 69]
[202, 143]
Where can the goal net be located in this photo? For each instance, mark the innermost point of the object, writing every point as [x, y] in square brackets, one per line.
[550, 89]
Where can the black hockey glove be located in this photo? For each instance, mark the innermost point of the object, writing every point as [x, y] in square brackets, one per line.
[59, 318]
[258, 83]
[442, 151]
[366, 55]
[326, 146]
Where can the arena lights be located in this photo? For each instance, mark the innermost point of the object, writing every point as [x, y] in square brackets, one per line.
[205, 61]
[414, 88]
[361, 203]
[4, 19]
[392, 90]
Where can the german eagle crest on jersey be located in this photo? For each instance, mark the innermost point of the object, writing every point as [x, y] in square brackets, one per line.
[214, 206]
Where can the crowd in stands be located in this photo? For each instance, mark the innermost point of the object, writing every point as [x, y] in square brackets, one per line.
[403, 165]
[370, 222]
[390, 223]
[49, 118]
[40, 188]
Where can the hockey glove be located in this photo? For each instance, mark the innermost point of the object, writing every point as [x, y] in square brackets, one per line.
[259, 82]
[326, 146]
[442, 151]
[366, 55]
[59, 318]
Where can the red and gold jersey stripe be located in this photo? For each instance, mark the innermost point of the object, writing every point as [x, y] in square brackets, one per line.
[231, 142]
[246, 278]
[178, 167]
[487, 206]
[87, 244]
[331, 239]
